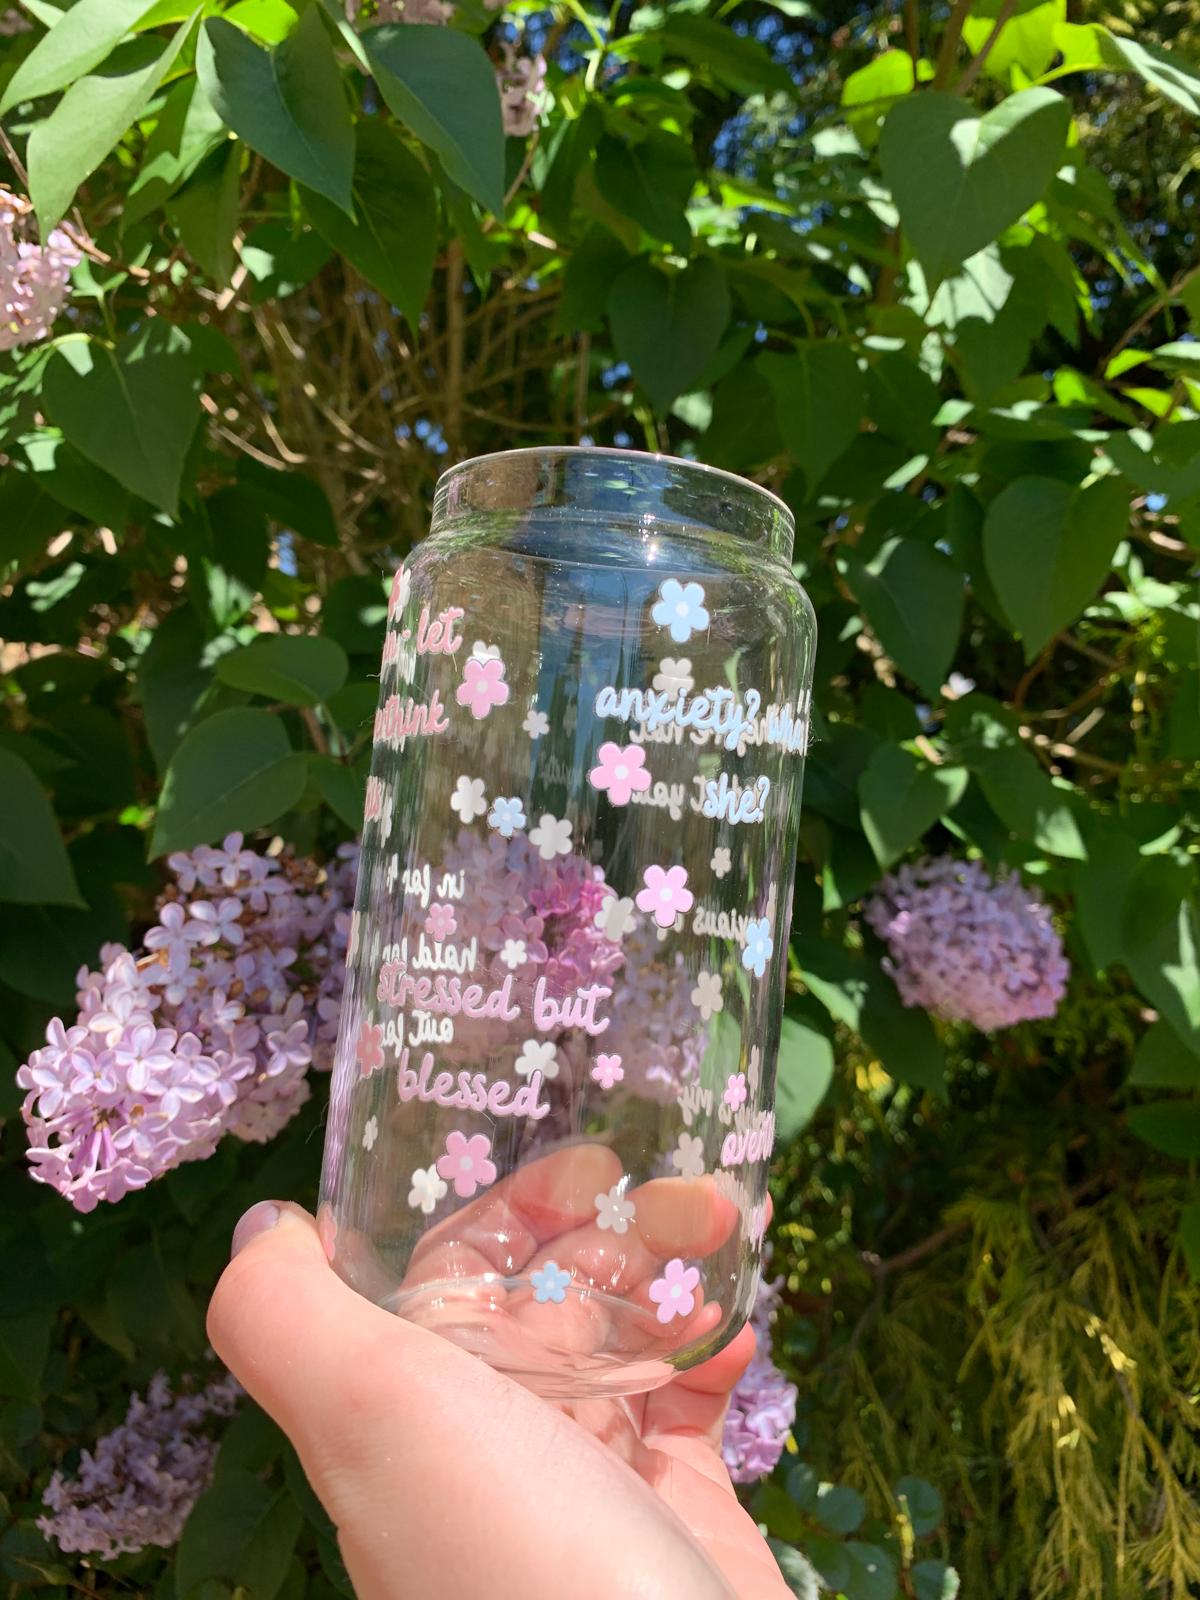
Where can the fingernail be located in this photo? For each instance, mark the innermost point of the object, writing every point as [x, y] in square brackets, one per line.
[257, 1220]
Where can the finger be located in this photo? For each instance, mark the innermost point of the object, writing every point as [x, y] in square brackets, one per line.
[693, 1406]
[393, 1424]
[507, 1224]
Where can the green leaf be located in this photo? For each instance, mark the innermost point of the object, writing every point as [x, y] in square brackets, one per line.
[234, 771]
[1169, 74]
[820, 396]
[441, 85]
[651, 181]
[839, 1509]
[68, 145]
[668, 326]
[299, 669]
[354, 614]
[903, 401]
[1161, 935]
[341, 787]
[803, 1075]
[76, 483]
[34, 866]
[25, 1557]
[206, 210]
[251, 1442]
[1027, 38]
[172, 681]
[1021, 793]
[292, 499]
[901, 798]
[869, 93]
[854, 989]
[268, 20]
[132, 410]
[743, 429]
[912, 596]
[42, 948]
[240, 1532]
[934, 1580]
[393, 240]
[923, 1504]
[1048, 548]
[77, 42]
[735, 59]
[282, 259]
[589, 273]
[799, 1575]
[1165, 462]
[872, 1574]
[1101, 887]
[1163, 1061]
[24, 1346]
[28, 516]
[802, 1486]
[287, 103]
[958, 180]
[829, 1557]
[1171, 1126]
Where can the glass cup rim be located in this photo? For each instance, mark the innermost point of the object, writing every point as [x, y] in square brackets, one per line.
[611, 452]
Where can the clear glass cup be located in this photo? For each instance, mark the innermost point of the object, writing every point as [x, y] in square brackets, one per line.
[551, 1114]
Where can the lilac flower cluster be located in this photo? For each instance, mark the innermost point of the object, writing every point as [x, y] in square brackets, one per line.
[138, 1485]
[211, 1030]
[762, 1407]
[655, 1027]
[34, 278]
[548, 919]
[966, 947]
[522, 84]
[532, 917]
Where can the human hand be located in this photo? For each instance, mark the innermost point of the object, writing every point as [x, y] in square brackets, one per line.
[445, 1477]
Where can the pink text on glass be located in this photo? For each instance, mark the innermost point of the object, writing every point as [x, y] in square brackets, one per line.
[438, 638]
[749, 1144]
[400, 719]
[469, 1091]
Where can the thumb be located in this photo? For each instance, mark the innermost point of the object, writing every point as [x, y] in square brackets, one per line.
[441, 1475]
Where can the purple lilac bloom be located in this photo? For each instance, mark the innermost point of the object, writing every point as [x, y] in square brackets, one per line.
[762, 1407]
[35, 279]
[522, 84]
[655, 1029]
[211, 1030]
[549, 908]
[138, 1485]
[968, 948]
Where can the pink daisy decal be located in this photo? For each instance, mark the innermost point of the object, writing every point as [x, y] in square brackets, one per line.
[608, 1071]
[666, 894]
[621, 771]
[483, 685]
[401, 586]
[441, 922]
[369, 1049]
[466, 1163]
[675, 1292]
[735, 1090]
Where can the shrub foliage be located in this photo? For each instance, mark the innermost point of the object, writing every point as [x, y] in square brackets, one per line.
[926, 271]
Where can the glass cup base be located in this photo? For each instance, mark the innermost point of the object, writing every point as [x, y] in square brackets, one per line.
[589, 1345]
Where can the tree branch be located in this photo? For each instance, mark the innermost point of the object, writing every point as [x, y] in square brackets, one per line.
[912, 33]
[975, 65]
[1159, 303]
[948, 49]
